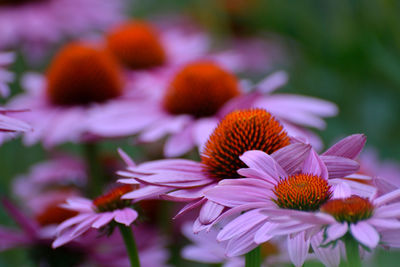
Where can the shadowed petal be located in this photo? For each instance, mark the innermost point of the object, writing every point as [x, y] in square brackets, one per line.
[349, 147]
[126, 216]
[365, 234]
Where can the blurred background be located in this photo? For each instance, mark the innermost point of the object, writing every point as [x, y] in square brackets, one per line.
[347, 52]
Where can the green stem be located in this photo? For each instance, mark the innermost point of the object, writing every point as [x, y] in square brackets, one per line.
[94, 170]
[130, 245]
[253, 258]
[352, 251]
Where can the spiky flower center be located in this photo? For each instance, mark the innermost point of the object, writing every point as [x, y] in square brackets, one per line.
[200, 89]
[136, 45]
[54, 214]
[305, 192]
[112, 200]
[351, 209]
[80, 75]
[238, 132]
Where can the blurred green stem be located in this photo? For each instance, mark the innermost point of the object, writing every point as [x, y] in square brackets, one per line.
[94, 170]
[253, 258]
[352, 251]
[130, 245]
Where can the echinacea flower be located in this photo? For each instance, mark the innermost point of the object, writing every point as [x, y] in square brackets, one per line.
[193, 98]
[186, 180]
[35, 25]
[273, 190]
[80, 79]
[95, 214]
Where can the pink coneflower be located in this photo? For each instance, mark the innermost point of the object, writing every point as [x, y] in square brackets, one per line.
[35, 24]
[95, 214]
[192, 100]
[269, 194]
[80, 81]
[240, 131]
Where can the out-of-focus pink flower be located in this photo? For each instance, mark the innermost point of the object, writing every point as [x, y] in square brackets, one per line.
[95, 214]
[62, 171]
[81, 81]
[35, 25]
[191, 101]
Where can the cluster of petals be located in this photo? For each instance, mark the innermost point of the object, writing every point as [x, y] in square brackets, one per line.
[88, 217]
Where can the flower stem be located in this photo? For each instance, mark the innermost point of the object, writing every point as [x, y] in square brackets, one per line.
[253, 258]
[130, 245]
[352, 251]
[94, 170]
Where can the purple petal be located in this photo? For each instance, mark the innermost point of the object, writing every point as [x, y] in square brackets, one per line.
[263, 163]
[146, 192]
[387, 198]
[103, 219]
[200, 254]
[314, 165]
[209, 212]
[336, 231]
[176, 179]
[126, 216]
[242, 244]
[298, 248]
[128, 161]
[384, 223]
[339, 167]
[241, 225]
[264, 233]
[365, 234]
[330, 256]
[272, 82]
[190, 206]
[349, 147]
[179, 143]
[291, 157]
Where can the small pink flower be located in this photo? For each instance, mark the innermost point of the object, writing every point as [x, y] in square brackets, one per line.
[95, 214]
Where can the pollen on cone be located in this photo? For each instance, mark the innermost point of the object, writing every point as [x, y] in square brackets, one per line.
[136, 45]
[200, 89]
[238, 132]
[54, 214]
[80, 74]
[112, 200]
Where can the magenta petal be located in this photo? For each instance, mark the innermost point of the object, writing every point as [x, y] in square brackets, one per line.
[127, 160]
[126, 216]
[103, 219]
[298, 247]
[209, 212]
[314, 165]
[387, 197]
[329, 256]
[339, 167]
[242, 244]
[146, 192]
[264, 163]
[365, 234]
[190, 206]
[349, 147]
[265, 232]
[291, 157]
[272, 82]
[385, 223]
[179, 143]
[241, 225]
[176, 179]
[74, 220]
[336, 231]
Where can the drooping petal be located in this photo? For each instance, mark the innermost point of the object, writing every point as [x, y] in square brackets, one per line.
[126, 216]
[298, 247]
[336, 231]
[209, 212]
[365, 234]
[179, 143]
[329, 256]
[103, 219]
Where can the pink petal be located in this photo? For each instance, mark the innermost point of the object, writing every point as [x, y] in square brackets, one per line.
[314, 165]
[298, 248]
[339, 167]
[336, 231]
[292, 156]
[190, 206]
[231, 196]
[128, 161]
[242, 244]
[349, 147]
[241, 225]
[263, 163]
[202, 130]
[176, 179]
[126, 216]
[384, 223]
[329, 256]
[74, 220]
[179, 143]
[265, 232]
[199, 254]
[272, 82]
[146, 192]
[387, 198]
[209, 212]
[103, 219]
[365, 234]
